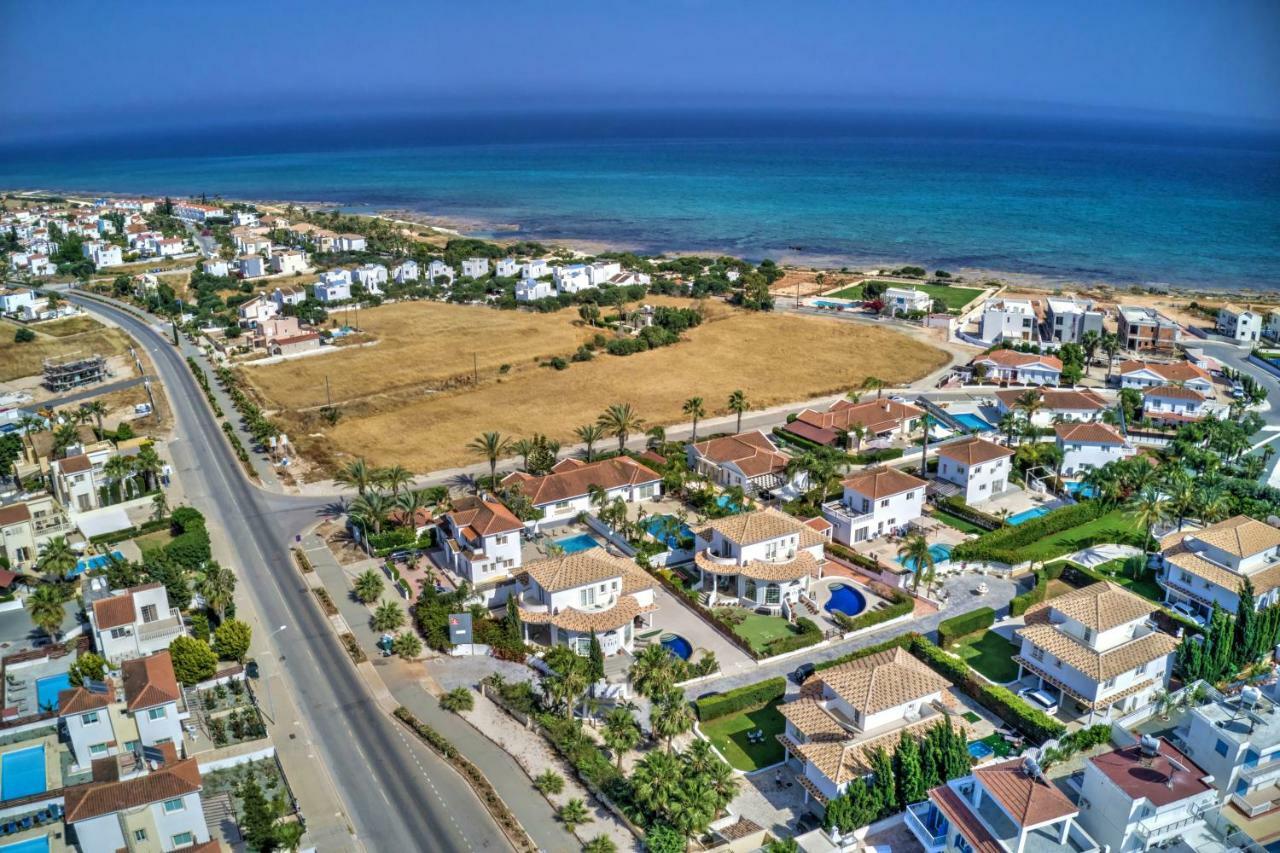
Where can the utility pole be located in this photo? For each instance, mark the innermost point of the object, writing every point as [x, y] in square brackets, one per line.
[475, 369]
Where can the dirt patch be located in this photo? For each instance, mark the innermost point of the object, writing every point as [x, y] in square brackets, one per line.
[810, 282]
[18, 360]
[774, 358]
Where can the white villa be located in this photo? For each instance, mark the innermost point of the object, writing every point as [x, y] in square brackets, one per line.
[439, 269]
[1146, 374]
[749, 460]
[371, 277]
[1239, 324]
[572, 278]
[531, 290]
[1010, 807]
[1068, 319]
[902, 300]
[535, 269]
[283, 296]
[506, 268]
[349, 243]
[980, 468]
[878, 419]
[216, 266]
[1008, 365]
[1200, 567]
[133, 623]
[1056, 404]
[1236, 739]
[1096, 646]
[288, 261]
[756, 559]
[481, 540]
[845, 713]
[251, 266]
[1008, 320]
[1086, 446]
[583, 593]
[566, 491]
[475, 267]
[1174, 404]
[257, 310]
[335, 289]
[875, 502]
[405, 271]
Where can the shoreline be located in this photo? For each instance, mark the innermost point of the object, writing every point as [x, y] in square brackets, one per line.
[798, 258]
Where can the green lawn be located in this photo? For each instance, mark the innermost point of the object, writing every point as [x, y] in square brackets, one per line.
[153, 541]
[729, 735]
[954, 298]
[1116, 527]
[1145, 586]
[990, 654]
[956, 521]
[758, 629]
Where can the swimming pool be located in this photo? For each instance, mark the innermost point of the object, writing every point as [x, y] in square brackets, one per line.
[31, 845]
[574, 544]
[1081, 490]
[94, 563]
[47, 690]
[940, 554]
[827, 303]
[677, 645]
[973, 422]
[980, 750]
[724, 502]
[22, 773]
[1028, 514]
[845, 599]
[657, 523]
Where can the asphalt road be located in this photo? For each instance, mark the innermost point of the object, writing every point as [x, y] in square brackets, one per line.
[397, 797]
[1237, 357]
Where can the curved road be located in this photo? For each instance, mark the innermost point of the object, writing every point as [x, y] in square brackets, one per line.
[399, 795]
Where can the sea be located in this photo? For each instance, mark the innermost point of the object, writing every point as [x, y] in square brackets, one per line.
[1068, 200]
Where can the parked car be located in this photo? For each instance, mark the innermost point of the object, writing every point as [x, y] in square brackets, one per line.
[1040, 699]
[802, 672]
[1182, 608]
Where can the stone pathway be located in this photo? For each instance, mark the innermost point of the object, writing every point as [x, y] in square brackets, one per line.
[1099, 554]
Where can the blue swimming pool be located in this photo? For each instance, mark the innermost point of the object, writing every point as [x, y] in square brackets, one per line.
[845, 599]
[940, 553]
[980, 750]
[657, 523]
[1081, 490]
[22, 773]
[724, 502]
[581, 542]
[677, 645]
[827, 303]
[31, 845]
[94, 563]
[973, 422]
[1028, 514]
[47, 690]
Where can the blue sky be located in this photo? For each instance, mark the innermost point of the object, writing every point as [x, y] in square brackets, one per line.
[95, 65]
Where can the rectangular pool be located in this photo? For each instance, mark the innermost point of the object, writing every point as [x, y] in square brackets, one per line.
[940, 554]
[48, 688]
[1028, 514]
[22, 773]
[31, 845]
[973, 422]
[94, 563]
[574, 544]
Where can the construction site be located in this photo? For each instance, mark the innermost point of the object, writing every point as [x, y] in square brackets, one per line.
[74, 371]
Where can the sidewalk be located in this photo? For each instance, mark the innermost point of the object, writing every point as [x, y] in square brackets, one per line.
[411, 686]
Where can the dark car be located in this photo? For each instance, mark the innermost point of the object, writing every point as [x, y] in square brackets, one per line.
[802, 672]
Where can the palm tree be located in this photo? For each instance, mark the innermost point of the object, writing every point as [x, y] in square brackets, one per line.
[1089, 342]
[148, 464]
[652, 673]
[218, 588]
[1110, 344]
[620, 420]
[57, 559]
[64, 436]
[492, 446]
[589, 434]
[45, 606]
[408, 505]
[368, 586]
[573, 814]
[358, 475]
[1150, 508]
[671, 715]
[859, 433]
[522, 447]
[457, 700]
[394, 478]
[98, 410]
[873, 383]
[621, 733]
[30, 424]
[387, 616]
[915, 551]
[738, 404]
[1030, 402]
[369, 510]
[694, 408]
[1008, 424]
[1212, 506]
[117, 469]
[656, 781]
[600, 844]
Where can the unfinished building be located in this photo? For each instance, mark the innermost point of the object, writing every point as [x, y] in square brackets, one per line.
[74, 371]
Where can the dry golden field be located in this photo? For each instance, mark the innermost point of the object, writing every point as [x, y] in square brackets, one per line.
[774, 358]
[19, 360]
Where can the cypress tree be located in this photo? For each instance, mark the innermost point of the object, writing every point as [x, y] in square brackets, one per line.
[1244, 649]
[931, 761]
[906, 761]
[862, 803]
[839, 814]
[886, 787]
[596, 656]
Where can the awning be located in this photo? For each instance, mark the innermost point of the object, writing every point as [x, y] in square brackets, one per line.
[109, 519]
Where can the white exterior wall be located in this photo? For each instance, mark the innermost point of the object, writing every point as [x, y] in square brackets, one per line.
[475, 267]
[530, 290]
[1245, 326]
[166, 729]
[506, 268]
[1078, 457]
[904, 299]
[332, 292]
[570, 507]
[600, 272]
[572, 279]
[1013, 321]
[85, 735]
[1154, 404]
[407, 271]
[535, 269]
[289, 262]
[1113, 816]
[870, 519]
[980, 482]
[190, 819]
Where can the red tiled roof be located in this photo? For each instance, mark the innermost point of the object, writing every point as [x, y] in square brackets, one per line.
[1013, 358]
[75, 464]
[1180, 371]
[576, 481]
[1028, 800]
[14, 514]
[114, 611]
[1089, 433]
[149, 681]
[812, 433]
[484, 516]
[1175, 392]
[102, 798]
[962, 818]
[882, 482]
[874, 415]
[974, 451]
[78, 700]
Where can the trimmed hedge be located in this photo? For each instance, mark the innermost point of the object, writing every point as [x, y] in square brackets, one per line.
[1001, 546]
[1022, 603]
[130, 532]
[748, 697]
[902, 605]
[950, 630]
[851, 556]
[1008, 706]
[807, 634]
[957, 507]
[871, 457]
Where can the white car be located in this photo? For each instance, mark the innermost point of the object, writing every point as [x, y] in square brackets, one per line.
[1040, 699]
[1184, 609]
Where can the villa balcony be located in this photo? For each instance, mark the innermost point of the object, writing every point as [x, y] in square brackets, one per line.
[1153, 831]
[928, 825]
[161, 628]
[57, 524]
[1261, 774]
[711, 556]
[835, 510]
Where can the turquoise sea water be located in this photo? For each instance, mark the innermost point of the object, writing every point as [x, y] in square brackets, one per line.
[1106, 202]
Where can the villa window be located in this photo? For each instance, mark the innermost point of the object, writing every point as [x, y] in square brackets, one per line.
[1037, 653]
[98, 749]
[772, 594]
[117, 633]
[1141, 669]
[500, 540]
[89, 718]
[911, 496]
[771, 551]
[139, 835]
[750, 591]
[1088, 635]
[156, 713]
[1108, 684]
[884, 503]
[149, 613]
[175, 805]
[587, 596]
[1220, 747]
[183, 839]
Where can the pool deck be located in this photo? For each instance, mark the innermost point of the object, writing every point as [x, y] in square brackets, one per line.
[20, 690]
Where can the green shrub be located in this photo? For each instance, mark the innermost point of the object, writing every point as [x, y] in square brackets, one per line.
[806, 634]
[1023, 602]
[1001, 546]
[950, 630]
[850, 556]
[748, 697]
[902, 605]
[957, 507]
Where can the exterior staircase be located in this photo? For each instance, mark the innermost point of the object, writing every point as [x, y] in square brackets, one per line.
[220, 817]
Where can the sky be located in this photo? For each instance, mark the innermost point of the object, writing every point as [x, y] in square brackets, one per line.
[75, 67]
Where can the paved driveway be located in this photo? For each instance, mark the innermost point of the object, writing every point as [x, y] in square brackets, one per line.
[676, 618]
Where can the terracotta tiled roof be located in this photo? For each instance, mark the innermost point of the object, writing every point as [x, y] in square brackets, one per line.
[762, 525]
[841, 761]
[585, 621]
[74, 464]
[1028, 800]
[1056, 399]
[102, 798]
[752, 452]
[1174, 392]
[874, 415]
[811, 432]
[1089, 433]
[882, 482]
[960, 816]
[802, 565]
[149, 681]
[812, 720]
[1099, 666]
[594, 565]
[1012, 358]
[1240, 536]
[79, 700]
[576, 481]
[739, 829]
[14, 514]
[1180, 371]
[114, 611]
[881, 681]
[973, 451]
[1100, 606]
[485, 516]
